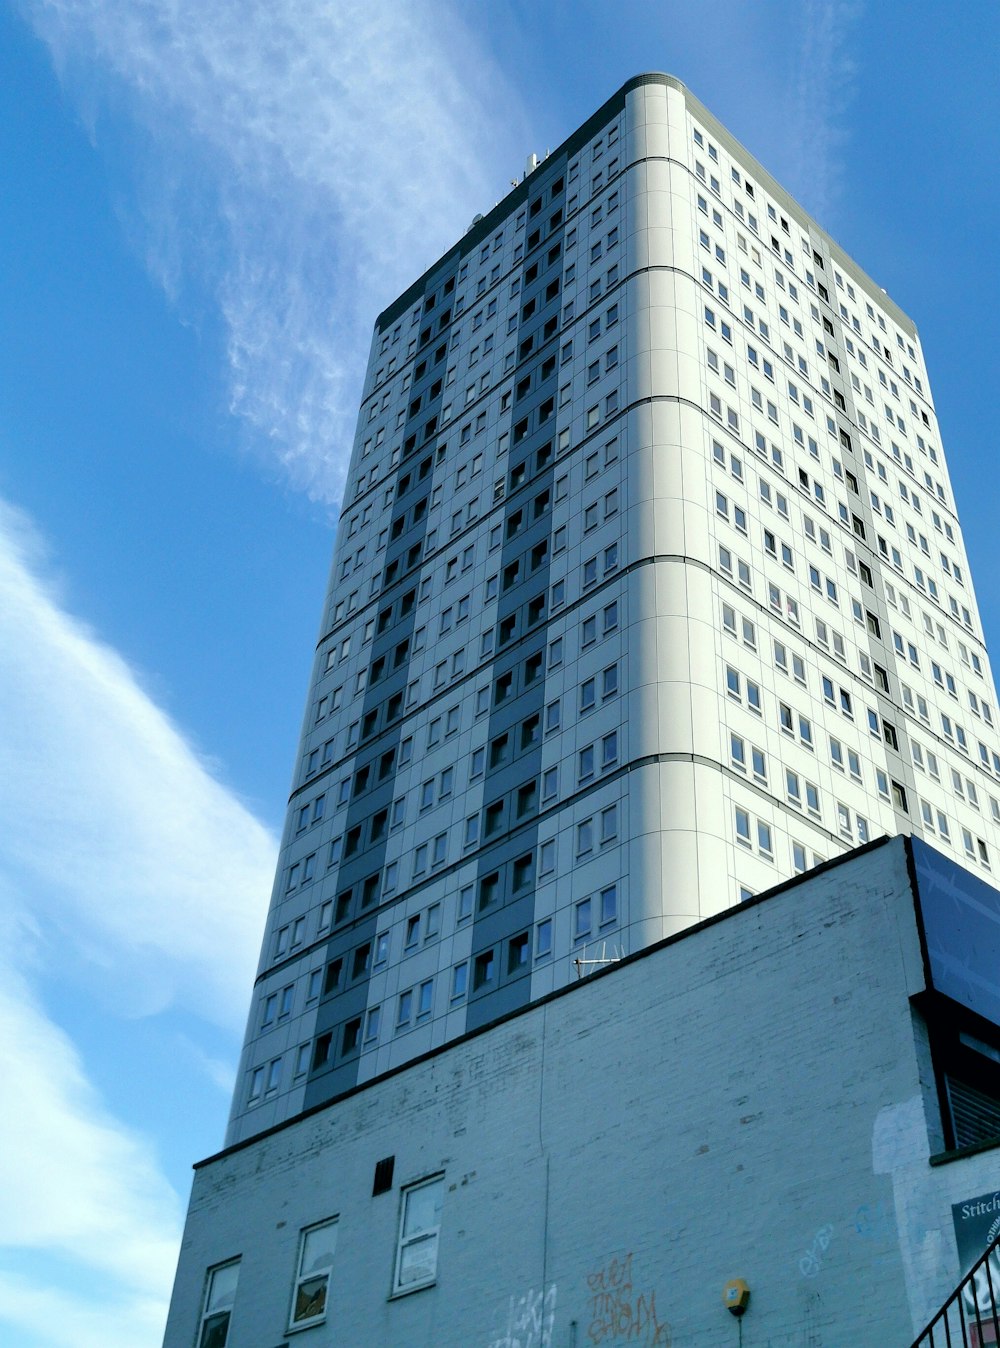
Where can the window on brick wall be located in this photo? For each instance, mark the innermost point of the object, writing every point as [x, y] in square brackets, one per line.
[317, 1247]
[419, 1232]
[220, 1294]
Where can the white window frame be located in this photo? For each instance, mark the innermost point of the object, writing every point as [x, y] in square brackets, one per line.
[214, 1311]
[299, 1316]
[404, 1280]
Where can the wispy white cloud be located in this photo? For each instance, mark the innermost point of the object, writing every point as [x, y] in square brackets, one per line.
[309, 159]
[126, 868]
[71, 1178]
[135, 857]
[220, 1072]
[826, 83]
[41, 1315]
[78, 1186]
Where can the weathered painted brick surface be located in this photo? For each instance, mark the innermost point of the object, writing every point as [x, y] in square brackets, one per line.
[745, 1102]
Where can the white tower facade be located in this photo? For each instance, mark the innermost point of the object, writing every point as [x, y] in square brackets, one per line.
[648, 591]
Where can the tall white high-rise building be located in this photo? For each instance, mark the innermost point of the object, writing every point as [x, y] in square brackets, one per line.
[649, 591]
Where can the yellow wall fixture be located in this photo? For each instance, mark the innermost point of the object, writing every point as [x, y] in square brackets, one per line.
[736, 1296]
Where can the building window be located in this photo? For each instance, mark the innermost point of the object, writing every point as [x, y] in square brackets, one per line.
[609, 823]
[543, 939]
[419, 1231]
[743, 827]
[609, 904]
[483, 970]
[518, 952]
[312, 1282]
[585, 763]
[220, 1293]
[966, 1052]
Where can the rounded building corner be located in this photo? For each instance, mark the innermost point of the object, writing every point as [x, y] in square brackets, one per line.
[655, 77]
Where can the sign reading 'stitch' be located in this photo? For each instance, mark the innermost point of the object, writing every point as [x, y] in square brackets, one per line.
[977, 1225]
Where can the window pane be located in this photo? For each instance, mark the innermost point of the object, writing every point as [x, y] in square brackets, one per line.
[423, 1209]
[418, 1261]
[219, 1300]
[316, 1261]
[310, 1299]
[418, 1238]
[318, 1248]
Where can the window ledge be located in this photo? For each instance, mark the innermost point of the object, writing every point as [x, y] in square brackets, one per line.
[958, 1153]
[409, 1291]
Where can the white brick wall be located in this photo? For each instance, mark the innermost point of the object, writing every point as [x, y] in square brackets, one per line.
[742, 1102]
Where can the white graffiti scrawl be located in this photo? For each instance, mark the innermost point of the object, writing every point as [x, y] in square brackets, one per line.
[530, 1320]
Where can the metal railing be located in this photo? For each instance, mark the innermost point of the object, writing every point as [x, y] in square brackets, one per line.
[971, 1315]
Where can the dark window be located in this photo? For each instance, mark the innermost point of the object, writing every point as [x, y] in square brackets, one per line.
[499, 750]
[369, 893]
[966, 1054]
[494, 818]
[483, 969]
[331, 980]
[489, 889]
[321, 1050]
[518, 951]
[352, 1035]
[524, 869]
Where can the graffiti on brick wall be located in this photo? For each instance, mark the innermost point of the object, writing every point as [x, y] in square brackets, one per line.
[621, 1314]
[811, 1260]
[876, 1226]
[530, 1320]
[873, 1221]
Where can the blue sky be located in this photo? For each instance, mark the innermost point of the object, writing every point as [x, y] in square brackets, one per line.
[204, 207]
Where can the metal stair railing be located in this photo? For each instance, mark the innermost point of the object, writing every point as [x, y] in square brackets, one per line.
[971, 1315]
